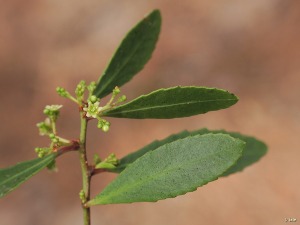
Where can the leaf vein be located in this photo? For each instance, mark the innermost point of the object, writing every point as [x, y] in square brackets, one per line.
[163, 106]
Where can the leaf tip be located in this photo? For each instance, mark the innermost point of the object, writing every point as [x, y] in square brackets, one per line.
[155, 12]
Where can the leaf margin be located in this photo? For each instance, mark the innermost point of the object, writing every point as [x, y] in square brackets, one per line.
[45, 160]
[152, 17]
[117, 111]
[190, 189]
[126, 160]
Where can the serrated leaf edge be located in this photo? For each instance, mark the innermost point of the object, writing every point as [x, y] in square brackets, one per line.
[91, 202]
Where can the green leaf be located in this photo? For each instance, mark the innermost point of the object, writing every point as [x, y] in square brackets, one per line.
[173, 169]
[12, 177]
[254, 150]
[128, 159]
[131, 56]
[174, 102]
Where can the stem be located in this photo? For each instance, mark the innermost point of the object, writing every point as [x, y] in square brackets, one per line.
[73, 99]
[95, 171]
[73, 147]
[63, 140]
[86, 177]
[53, 126]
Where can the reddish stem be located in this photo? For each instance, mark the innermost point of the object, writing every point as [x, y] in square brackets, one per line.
[73, 147]
[94, 171]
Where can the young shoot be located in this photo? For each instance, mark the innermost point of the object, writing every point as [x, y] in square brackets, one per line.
[160, 170]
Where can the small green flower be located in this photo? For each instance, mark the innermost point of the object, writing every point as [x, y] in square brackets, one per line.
[52, 111]
[92, 110]
[44, 127]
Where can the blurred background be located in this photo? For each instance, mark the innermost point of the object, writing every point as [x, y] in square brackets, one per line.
[251, 48]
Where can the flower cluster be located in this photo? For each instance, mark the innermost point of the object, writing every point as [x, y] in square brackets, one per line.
[79, 91]
[62, 92]
[92, 109]
[48, 128]
[41, 152]
[45, 127]
[52, 111]
[103, 124]
[91, 88]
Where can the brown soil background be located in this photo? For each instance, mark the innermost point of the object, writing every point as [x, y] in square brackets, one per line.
[251, 48]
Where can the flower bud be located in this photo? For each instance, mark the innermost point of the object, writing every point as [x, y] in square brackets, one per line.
[80, 89]
[123, 98]
[105, 128]
[41, 152]
[105, 125]
[116, 91]
[62, 92]
[93, 99]
[91, 87]
[46, 112]
[100, 124]
[82, 196]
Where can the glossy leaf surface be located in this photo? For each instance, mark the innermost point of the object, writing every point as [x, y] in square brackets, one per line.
[14, 176]
[254, 149]
[173, 169]
[174, 102]
[131, 56]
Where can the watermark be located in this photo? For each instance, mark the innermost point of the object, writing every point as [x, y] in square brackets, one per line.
[290, 219]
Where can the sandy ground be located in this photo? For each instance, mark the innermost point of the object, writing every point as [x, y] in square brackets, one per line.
[250, 48]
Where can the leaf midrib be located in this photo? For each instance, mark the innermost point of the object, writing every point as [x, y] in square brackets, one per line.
[158, 174]
[121, 68]
[163, 106]
[23, 172]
